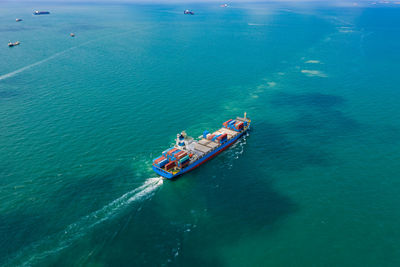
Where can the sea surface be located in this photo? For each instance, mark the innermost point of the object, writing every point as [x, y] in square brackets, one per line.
[315, 183]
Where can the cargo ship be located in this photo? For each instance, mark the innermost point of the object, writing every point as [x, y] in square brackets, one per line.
[188, 153]
[37, 12]
[11, 44]
[188, 12]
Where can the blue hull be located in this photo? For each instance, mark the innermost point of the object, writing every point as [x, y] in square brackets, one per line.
[199, 161]
[41, 13]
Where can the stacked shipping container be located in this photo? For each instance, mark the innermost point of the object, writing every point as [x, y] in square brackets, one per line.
[161, 161]
[234, 125]
[222, 138]
[172, 157]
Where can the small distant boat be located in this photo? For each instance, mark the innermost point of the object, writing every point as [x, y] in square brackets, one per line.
[11, 44]
[37, 12]
[72, 34]
[18, 20]
[224, 5]
[188, 12]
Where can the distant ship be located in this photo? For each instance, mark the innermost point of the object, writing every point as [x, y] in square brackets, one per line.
[18, 20]
[72, 34]
[188, 12]
[224, 5]
[11, 44]
[37, 12]
[188, 154]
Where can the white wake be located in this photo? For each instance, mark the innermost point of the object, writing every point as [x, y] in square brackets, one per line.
[73, 232]
[13, 73]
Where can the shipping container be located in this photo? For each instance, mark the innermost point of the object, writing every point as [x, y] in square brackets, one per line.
[239, 125]
[181, 155]
[166, 151]
[161, 163]
[170, 165]
[185, 164]
[229, 132]
[215, 137]
[225, 124]
[222, 136]
[184, 158]
[157, 160]
[173, 151]
[231, 123]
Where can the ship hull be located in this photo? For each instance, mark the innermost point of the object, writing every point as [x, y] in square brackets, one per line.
[41, 13]
[197, 163]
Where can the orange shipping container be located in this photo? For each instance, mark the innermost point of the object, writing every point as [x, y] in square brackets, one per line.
[170, 165]
[180, 155]
[222, 136]
[210, 136]
[226, 123]
[172, 151]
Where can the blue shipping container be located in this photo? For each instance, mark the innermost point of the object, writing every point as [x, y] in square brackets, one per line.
[183, 162]
[162, 163]
[184, 158]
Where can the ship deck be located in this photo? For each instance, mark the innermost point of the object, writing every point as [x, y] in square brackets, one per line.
[204, 147]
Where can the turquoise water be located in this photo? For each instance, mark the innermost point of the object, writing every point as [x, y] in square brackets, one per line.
[314, 184]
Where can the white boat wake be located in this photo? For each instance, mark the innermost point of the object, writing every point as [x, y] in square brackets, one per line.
[73, 232]
[13, 73]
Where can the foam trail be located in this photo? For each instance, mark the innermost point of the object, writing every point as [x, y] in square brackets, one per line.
[13, 73]
[73, 232]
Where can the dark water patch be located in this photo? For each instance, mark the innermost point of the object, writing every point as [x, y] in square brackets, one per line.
[8, 94]
[254, 201]
[140, 238]
[20, 228]
[277, 151]
[27, 225]
[188, 220]
[83, 191]
[320, 119]
[237, 203]
[316, 100]
[17, 230]
[327, 124]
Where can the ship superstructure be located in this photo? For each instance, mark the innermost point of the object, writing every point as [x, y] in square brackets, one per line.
[189, 153]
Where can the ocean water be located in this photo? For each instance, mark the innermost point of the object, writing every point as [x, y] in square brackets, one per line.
[315, 183]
